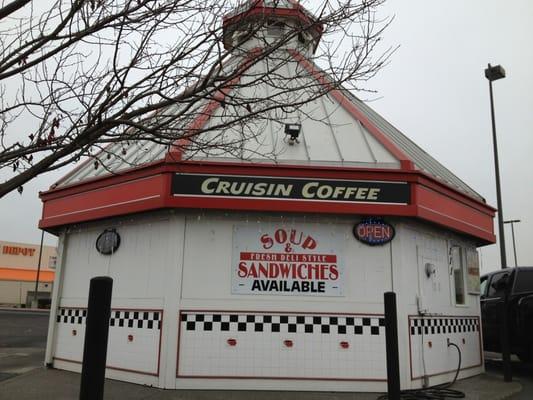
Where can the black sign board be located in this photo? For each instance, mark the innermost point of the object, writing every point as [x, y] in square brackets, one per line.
[261, 187]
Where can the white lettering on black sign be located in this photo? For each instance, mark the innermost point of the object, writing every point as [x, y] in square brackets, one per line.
[290, 188]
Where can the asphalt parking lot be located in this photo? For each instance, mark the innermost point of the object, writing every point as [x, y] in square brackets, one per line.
[522, 373]
[22, 341]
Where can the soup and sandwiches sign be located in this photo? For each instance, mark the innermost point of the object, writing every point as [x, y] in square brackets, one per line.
[300, 259]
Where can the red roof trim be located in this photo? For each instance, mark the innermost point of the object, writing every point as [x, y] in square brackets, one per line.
[142, 194]
[272, 12]
[176, 151]
[97, 182]
[288, 170]
[148, 188]
[405, 161]
[259, 8]
[430, 181]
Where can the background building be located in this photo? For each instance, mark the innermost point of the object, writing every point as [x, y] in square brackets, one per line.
[18, 271]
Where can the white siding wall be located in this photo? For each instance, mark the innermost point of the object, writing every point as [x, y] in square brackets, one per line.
[414, 246]
[264, 354]
[145, 275]
[208, 259]
[181, 265]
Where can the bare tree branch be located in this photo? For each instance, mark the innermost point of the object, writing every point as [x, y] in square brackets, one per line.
[12, 7]
[78, 76]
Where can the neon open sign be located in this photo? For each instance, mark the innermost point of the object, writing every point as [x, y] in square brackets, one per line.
[374, 231]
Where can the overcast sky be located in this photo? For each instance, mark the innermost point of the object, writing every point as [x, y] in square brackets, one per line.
[434, 90]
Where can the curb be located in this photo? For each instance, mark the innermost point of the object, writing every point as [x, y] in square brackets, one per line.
[508, 395]
[510, 392]
[14, 309]
[20, 376]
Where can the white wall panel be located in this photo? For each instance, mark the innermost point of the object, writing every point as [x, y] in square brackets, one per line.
[270, 345]
[208, 260]
[70, 334]
[133, 344]
[148, 274]
[136, 267]
[317, 133]
[350, 135]
[415, 245]
[147, 257]
[259, 354]
[430, 352]
[421, 245]
[378, 150]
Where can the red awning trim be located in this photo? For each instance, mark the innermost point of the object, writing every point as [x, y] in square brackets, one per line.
[148, 188]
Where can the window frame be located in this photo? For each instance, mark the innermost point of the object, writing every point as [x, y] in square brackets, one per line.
[519, 273]
[483, 290]
[496, 274]
[462, 267]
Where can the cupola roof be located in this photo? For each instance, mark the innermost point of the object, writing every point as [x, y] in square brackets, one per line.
[273, 15]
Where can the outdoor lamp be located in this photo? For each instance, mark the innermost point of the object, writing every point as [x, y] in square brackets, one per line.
[493, 73]
[293, 131]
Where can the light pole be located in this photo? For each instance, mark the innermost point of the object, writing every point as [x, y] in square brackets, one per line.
[512, 222]
[35, 302]
[493, 74]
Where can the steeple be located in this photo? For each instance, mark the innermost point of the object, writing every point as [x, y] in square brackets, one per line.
[256, 23]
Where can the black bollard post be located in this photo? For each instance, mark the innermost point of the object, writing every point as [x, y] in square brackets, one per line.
[504, 332]
[96, 334]
[391, 343]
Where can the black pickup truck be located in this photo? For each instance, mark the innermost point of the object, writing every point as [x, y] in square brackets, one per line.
[518, 283]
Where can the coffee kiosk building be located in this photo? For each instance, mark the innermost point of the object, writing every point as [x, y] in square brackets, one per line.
[267, 271]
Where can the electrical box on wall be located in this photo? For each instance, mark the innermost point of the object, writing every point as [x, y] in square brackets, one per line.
[433, 276]
[430, 270]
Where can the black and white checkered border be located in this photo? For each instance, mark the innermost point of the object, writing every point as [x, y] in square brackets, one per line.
[136, 319]
[442, 325]
[71, 315]
[284, 323]
[119, 318]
